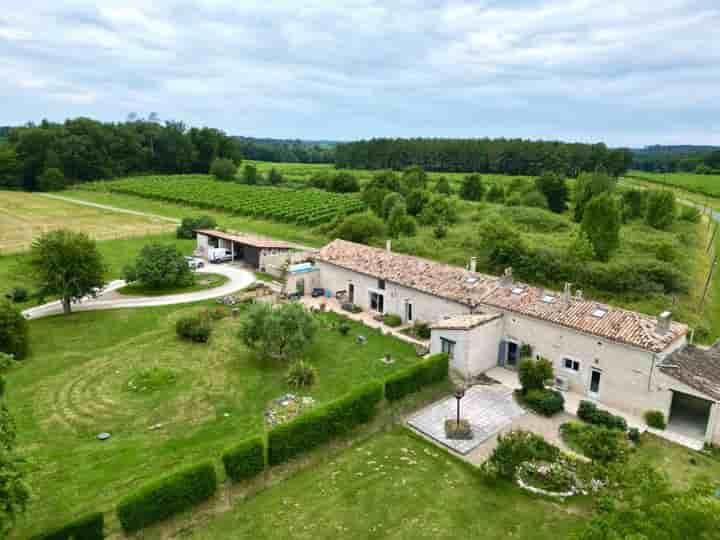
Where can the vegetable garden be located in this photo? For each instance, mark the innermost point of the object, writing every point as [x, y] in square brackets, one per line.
[304, 207]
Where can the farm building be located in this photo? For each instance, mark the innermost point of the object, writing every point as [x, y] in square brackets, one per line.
[626, 360]
[254, 251]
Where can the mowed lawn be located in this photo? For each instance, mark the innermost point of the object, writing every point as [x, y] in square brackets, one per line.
[190, 401]
[708, 184]
[25, 216]
[393, 486]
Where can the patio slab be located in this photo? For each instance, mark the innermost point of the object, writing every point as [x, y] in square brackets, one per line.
[488, 409]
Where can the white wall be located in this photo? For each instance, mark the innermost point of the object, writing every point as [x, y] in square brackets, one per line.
[202, 244]
[476, 350]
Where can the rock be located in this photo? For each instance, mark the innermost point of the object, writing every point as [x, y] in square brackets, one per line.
[103, 436]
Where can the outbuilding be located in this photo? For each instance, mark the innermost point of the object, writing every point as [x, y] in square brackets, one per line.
[245, 248]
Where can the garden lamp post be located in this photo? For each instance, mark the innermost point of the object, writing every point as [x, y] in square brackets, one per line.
[459, 394]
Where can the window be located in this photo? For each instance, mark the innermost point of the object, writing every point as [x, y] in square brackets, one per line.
[448, 347]
[381, 284]
[571, 365]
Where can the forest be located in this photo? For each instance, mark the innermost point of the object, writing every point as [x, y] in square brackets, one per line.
[680, 158]
[287, 151]
[497, 156]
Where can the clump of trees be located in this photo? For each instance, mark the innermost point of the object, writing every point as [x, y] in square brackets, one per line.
[361, 228]
[189, 225]
[67, 264]
[159, 266]
[13, 331]
[282, 333]
[223, 169]
[660, 212]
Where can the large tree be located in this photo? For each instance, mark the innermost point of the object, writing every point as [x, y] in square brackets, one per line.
[472, 188]
[554, 187]
[13, 331]
[601, 223]
[360, 228]
[67, 264]
[591, 185]
[660, 208]
[159, 266]
[281, 333]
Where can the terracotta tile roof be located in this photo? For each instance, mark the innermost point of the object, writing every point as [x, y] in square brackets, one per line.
[477, 290]
[465, 322]
[696, 367]
[247, 239]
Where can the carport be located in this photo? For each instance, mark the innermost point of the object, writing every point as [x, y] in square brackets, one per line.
[689, 415]
[245, 248]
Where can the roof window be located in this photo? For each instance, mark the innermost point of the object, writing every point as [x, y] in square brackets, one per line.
[518, 290]
[548, 299]
[599, 312]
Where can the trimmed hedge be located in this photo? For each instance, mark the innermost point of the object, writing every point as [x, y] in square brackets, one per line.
[89, 527]
[321, 424]
[245, 460]
[412, 379]
[589, 412]
[167, 496]
[546, 401]
[655, 419]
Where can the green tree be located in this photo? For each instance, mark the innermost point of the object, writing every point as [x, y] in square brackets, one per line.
[391, 200]
[13, 331]
[413, 178]
[343, 183]
[159, 266]
[360, 228]
[223, 169]
[320, 180]
[601, 223]
[534, 374]
[633, 203]
[189, 225]
[581, 250]
[399, 223]
[250, 174]
[439, 208]
[555, 189]
[660, 211]
[10, 168]
[443, 186]
[67, 264]
[274, 177]
[280, 333]
[416, 200]
[472, 188]
[375, 191]
[51, 180]
[496, 194]
[588, 186]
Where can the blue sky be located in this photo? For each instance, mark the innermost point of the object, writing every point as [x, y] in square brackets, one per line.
[630, 72]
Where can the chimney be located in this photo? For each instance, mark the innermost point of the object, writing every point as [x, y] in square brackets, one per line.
[663, 323]
[507, 278]
[566, 292]
[473, 264]
[388, 245]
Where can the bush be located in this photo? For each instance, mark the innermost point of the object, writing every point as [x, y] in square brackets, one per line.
[17, 295]
[343, 328]
[546, 402]
[89, 527]
[13, 331]
[167, 496]
[422, 330]
[440, 230]
[322, 424]
[496, 194]
[599, 443]
[189, 225]
[159, 266]
[516, 448]
[245, 460]
[655, 419]
[534, 374]
[223, 169]
[360, 228]
[412, 379]
[589, 412]
[634, 435]
[660, 211]
[301, 373]
[391, 319]
[194, 327]
[691, 214]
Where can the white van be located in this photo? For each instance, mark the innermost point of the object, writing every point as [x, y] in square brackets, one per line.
[218, 255]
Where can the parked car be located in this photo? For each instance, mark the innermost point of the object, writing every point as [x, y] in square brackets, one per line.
[317, 292]
[218, 255]
[194, 263]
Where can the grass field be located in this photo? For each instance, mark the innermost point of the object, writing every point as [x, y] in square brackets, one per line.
[202, 282]
[125, 371]
[707, 184]
[25, 216]
[397, 487]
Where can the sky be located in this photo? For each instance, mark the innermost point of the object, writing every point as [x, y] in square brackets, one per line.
[628, 73]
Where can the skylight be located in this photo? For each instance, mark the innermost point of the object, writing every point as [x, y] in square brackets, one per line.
[472, 280]
[599, 312]
[548, 299]
[518, 290]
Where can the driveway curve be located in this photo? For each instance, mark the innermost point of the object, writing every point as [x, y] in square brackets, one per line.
[238, 278]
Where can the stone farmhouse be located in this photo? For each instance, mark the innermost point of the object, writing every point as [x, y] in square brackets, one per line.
[627, 360]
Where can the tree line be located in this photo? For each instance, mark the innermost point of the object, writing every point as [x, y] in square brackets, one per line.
[286, 151]
[51, 155]
[667, 159]
[498, 156]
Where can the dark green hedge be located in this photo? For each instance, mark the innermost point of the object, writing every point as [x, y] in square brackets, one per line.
[588, 411]
[320, 425]
[245, 460]
[167, 496]
[88, 527]
[425, 372]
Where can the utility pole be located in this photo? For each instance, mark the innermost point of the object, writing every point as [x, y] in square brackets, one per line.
[707, 283]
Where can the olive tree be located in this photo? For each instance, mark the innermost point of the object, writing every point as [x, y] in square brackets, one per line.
[281, 333]
[67, 264]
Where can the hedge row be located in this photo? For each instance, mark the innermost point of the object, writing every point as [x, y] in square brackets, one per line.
[323, 423]
[245, 460]
[167, 496]
[88, 527]
[412, 379]
[589, 412]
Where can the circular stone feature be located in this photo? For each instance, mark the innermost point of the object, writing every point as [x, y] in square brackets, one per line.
[103, 436]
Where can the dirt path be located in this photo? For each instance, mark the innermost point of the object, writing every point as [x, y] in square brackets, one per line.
[111, 208]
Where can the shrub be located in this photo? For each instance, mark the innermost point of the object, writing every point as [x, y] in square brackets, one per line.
[601, 222]
[223, 169]
[440, 230]
[167, 496]
[322, 424]
[193, 327]
[660, 211]
[17, 295]
[533, 374]
[599, 443]
[13, 331]
[655, 419]
[245, 460]
[634, 435]
[691, 214]
[412, 379]
[546, 402]
[391, 319]
[589, 412]
[496, 194]
[189, 225]
[89, 527]
[516, 448]
[301, 373]
[360, 228]
[343, 328]
[158, 266]
[422, 330]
